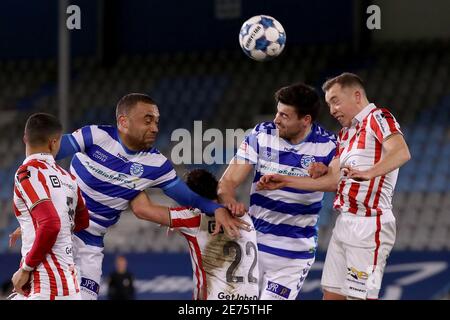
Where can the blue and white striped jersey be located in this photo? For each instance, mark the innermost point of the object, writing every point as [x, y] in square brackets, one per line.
[286, 219]
[110, 176]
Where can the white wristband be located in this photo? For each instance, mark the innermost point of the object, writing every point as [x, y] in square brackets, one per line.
[26, 268]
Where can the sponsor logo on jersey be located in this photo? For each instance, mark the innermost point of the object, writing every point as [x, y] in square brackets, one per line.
[226, 296]
[136, 169]
[100, 156]
[278, 289]
[55, 181]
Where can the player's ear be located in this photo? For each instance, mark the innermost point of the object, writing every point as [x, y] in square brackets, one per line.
[307, 118]
[122, 121]
[358, 96]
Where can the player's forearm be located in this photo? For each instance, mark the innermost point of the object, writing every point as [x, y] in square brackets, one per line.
[392, 160]
[226, 191]
[326, 183]
[154, 213]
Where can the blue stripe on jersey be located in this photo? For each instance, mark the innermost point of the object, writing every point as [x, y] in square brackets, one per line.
[118, 165]
[258, 176]
[74, 143]
[100, 209]
[286, 253]
[283, 207]
[291, 159]
[105, 223]
[284, 230]
[90, 239]
[102, 186]
[87, 136]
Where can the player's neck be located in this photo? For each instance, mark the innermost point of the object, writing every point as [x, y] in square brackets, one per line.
[35, 150]
[301, 136]
[129, 144]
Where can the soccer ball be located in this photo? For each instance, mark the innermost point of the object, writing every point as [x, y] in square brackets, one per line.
[262, 38]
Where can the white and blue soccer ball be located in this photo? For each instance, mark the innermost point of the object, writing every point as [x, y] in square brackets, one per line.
[262, 38]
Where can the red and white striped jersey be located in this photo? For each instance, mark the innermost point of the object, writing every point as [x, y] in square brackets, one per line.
[223, 268]
[360, 146]
[39, 179]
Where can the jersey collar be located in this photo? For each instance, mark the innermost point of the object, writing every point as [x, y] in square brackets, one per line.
[40, 156]
[363, 114]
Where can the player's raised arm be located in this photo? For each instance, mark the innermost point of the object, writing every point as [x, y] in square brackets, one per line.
[181, 193]
[395, 154]
[233, 176]
[77, 141]
[328, 182]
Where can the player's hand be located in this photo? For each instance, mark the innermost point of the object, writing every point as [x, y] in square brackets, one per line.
[271, 182]
[230, 224]
[357, 175]
[13, 237]
[317, 169]
[237, 209]
[19, 281]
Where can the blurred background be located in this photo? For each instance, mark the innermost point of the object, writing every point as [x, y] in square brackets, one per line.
[186, 55]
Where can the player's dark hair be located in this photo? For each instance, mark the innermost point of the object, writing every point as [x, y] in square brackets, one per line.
[302, 97]
[129, 101]
[40, 127]
[202, 182]
[345, 79]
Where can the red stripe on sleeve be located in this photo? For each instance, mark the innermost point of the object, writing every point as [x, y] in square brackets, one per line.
[376, 129]
[390, 120]
[48, 226]
[193, 222]
[16, 211]
[29, 191]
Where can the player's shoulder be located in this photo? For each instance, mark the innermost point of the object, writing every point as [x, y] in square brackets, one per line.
[104, 131]
[29, 169]
[153, 158]
[323, 135]
[32, 164]
[381, 112]
[268, 127]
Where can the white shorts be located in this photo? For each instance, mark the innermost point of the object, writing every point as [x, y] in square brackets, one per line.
[281, 278]
[88, 260]
[357, 254]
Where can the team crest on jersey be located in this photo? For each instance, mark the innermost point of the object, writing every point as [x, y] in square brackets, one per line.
[136, 169]
[306, 161]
